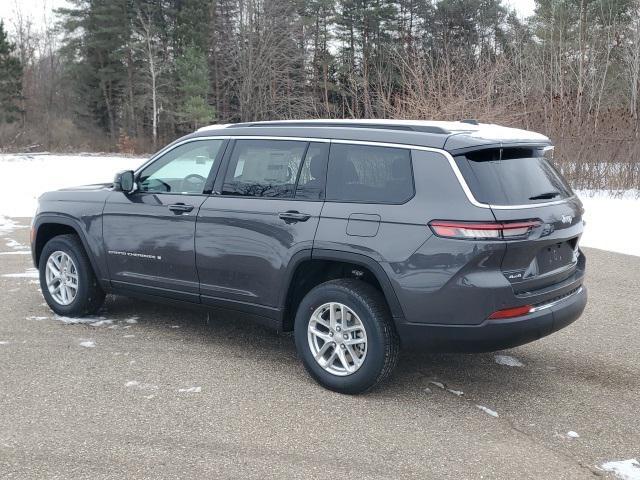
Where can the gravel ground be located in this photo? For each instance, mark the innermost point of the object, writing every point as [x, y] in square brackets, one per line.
[148, 391]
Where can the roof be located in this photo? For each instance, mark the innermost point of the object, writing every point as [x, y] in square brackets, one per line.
[451, 136]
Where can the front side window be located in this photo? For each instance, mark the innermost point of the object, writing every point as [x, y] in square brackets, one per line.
[369, 174]
[183, 169]
[264, 168]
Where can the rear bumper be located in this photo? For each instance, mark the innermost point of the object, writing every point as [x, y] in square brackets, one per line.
[493, 335]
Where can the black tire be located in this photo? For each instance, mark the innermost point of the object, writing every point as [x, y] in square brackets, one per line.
[90, 296]
[382, 340]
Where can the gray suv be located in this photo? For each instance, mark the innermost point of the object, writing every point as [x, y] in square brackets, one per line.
[358, 236]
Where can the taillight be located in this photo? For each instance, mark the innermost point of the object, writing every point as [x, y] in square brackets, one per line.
[511, 312]
[483, 230]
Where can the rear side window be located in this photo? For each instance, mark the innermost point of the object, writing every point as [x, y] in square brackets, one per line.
[264, 168]
[369, 174]
[512, 176]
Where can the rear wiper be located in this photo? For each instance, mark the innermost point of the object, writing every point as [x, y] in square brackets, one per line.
[545, 195]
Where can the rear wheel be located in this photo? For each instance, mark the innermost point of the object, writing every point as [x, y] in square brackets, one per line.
[66, 278]
[345, 336]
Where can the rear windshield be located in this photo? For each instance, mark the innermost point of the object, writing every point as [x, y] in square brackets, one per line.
[512, 176]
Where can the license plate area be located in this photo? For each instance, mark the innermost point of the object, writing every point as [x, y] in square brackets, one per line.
[557, 255]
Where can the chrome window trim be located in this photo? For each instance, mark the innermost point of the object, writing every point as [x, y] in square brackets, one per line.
[447, 155]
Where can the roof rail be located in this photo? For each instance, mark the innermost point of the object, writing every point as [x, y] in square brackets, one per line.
[470, 121]
[382, 126]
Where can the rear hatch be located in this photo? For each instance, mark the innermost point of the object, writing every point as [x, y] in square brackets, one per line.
[521, 185]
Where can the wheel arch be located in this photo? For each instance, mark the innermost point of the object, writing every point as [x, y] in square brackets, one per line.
[308, 270]
[46, 227]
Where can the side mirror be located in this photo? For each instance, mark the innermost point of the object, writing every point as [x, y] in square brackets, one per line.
[123, 181]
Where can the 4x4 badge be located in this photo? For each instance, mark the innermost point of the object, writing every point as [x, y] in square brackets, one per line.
[566, 219]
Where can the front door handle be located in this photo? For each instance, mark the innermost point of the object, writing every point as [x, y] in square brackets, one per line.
[179, 208]
[292, 216]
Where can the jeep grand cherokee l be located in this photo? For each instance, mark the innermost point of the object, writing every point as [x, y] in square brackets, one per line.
[361, 237]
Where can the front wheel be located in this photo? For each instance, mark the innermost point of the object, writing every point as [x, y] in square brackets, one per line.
[66, 278]
[345, 336]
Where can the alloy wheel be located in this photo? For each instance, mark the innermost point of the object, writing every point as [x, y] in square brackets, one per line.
[337, 339]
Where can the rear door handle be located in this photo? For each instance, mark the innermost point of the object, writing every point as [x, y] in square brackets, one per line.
[179, 208]
[292, 216]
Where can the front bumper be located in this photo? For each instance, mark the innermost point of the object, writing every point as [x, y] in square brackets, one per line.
[492, 335]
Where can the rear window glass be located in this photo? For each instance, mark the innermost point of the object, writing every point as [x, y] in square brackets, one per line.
[369, 174]
[512, 176]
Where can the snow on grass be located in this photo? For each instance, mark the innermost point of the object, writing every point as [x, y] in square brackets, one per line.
[604, 215]
[88, 344]
[508, 360]
[51, 172]
[624, 469]
[30, 273]
[488, 411]
[190, 390]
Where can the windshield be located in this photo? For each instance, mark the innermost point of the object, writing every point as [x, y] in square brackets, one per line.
[512, 176]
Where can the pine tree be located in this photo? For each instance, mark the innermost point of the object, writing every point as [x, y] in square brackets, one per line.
[97, 42]
[10, 80]
[193, 109]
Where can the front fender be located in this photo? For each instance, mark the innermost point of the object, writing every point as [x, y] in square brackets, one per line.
[88, 229]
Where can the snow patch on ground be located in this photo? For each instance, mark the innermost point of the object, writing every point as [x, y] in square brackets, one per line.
[132, 320]
[17, 252]
[3, 342]
[73, 321]
[190, 390]
[30, 273]
[458, 393]
[11, 243]
[572, 434]
[437, 384]
[7, 225]
[624, 469]
[88, 344]
[101, 323]
[604, 215]
[493, 413]
[508, 360]
[139, 385]
[36, 318]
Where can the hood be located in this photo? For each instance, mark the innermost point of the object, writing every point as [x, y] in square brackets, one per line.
[95, 186]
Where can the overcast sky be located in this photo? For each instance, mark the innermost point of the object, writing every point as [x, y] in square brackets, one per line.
[37, 9]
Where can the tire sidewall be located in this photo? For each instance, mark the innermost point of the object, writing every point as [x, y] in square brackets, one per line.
[367, 374]
[79, 303]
